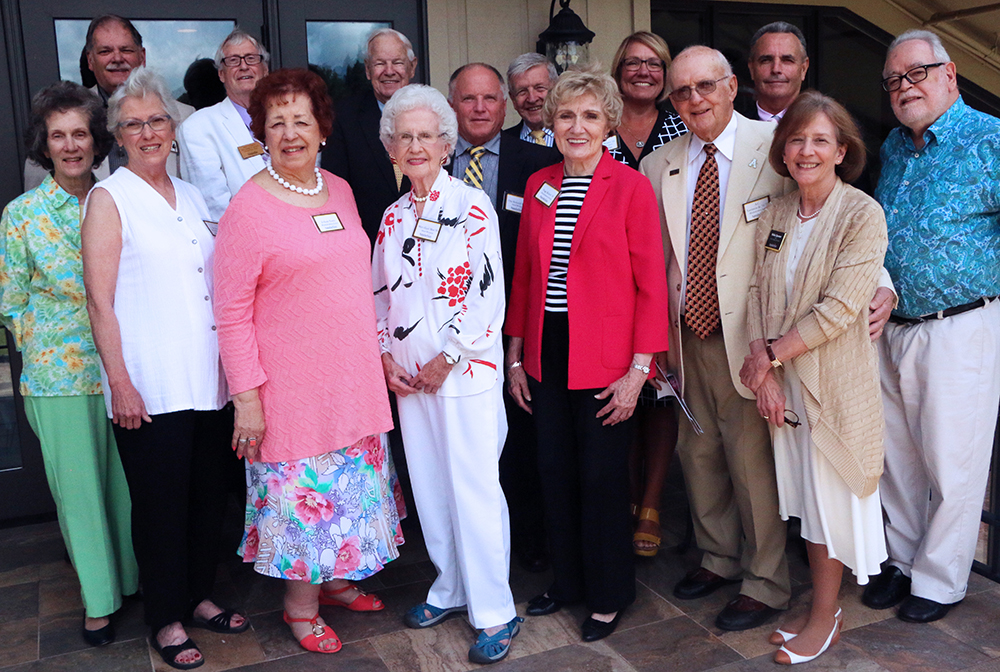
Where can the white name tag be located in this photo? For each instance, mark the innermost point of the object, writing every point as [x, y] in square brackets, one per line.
[213, 227]
[611, 142]
[427, 230]
[328, 222]
[513, 202]
[753, 209]
[546, 194]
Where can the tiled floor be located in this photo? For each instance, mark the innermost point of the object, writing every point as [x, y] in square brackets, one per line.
[40, 616]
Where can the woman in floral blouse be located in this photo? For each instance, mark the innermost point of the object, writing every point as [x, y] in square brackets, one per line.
[43, 304]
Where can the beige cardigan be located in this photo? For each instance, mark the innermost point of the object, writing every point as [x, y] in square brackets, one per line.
[834, 282]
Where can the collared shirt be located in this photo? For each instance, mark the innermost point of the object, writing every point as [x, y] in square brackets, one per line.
[726, 144]
[942, 209]
[764, 115]
[490, 161]
[42, 299]
[549, 136]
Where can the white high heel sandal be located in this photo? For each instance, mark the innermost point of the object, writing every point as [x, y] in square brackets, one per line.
[795, 658]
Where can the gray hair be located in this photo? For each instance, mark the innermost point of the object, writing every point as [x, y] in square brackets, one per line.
[463, 68]
[720, 60]
[419, 97]
[239, 36]
[141, 82]
[579, 81]
[937, 48]
[381, 32]
[525, 62]
[778, 27]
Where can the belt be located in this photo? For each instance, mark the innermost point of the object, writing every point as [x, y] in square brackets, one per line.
[947, 312]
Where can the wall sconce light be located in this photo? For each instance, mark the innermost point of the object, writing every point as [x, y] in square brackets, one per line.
[565, 40]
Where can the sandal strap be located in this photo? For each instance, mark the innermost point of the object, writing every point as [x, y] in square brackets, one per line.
[642, 536]
[649, 513]
[345, 589]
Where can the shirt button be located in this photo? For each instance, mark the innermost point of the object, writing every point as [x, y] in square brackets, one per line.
[916, 155]
[206, 298]
[180, 219]
[214, 328]
[678, 288]
[194, 242]
[895, 212]
[906, 183]
[200, 270]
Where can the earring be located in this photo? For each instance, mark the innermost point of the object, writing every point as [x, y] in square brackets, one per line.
[323, 144]
[392, 159]
[444, 159]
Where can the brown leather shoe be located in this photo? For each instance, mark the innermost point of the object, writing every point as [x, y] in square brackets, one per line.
[744, 613]
[699, 583]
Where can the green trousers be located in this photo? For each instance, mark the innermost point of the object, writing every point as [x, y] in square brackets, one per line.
[92, 497]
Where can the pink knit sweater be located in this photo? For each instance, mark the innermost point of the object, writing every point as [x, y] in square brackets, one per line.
[296, 318]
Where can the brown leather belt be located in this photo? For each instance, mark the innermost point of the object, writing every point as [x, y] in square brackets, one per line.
[947, 312]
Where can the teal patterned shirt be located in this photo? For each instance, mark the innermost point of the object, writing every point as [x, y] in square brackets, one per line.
[42, 300]
[942, 208]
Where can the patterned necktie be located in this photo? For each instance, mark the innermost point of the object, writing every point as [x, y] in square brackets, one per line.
[702, 299]
[538, 136]
[474, 173]
[399, 176]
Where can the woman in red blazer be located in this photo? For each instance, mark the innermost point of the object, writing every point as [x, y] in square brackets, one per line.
[587, 312]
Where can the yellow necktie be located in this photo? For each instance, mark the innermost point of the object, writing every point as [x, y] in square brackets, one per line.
[474, 173]
[399, 175]
[539, 136]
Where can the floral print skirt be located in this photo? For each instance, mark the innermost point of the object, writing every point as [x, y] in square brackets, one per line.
[333, 516]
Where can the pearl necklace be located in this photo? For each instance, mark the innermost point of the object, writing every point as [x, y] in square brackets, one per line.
[419, 199]
[805, 217]
[305, 192]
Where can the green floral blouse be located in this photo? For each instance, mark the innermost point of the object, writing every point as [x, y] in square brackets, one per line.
[42, 300]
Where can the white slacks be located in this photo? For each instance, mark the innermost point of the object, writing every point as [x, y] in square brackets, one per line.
[453, 447]
[941, 390]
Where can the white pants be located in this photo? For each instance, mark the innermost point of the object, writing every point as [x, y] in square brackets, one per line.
[941, 389]
[453, 447]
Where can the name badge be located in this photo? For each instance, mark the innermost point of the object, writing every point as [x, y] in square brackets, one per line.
[213, 227]
[427, 230]
[753, 209]
[250, 150]
[774, 240]
[611, 142]
[675, 171]
[328, 222]
[546, 194]
[513, 202]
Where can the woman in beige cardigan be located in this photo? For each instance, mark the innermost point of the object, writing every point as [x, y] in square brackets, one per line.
[812, 365]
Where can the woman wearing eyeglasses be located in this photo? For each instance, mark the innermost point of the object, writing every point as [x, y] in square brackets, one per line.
[813, 366]
[147, 268]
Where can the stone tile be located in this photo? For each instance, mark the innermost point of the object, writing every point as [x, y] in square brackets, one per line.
[976, 621]
[572, 658]
[678, 643]
[261, 593]
[856, 614]
[907, 647]
[359, 657]
[352, 626]
[989, 666]
[525, 585]
[30, 545]
[18, 602]
[15, 577]
[18, 641]
[60, 633]
[443, 648]
[396, 574]
[838, 658]
[118, 657]
[55, 570]
[222, 652]
[979, 583]
[273, 635]
[58, 596]
[128, 620]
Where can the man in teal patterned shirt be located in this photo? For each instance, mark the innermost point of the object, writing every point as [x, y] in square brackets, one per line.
[940, 354]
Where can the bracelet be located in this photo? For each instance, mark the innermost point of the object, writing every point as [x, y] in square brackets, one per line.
[640, 367]
[513, 366]
[775, 362]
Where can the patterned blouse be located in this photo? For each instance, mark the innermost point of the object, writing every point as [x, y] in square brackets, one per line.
[42, 300]
[667, 127]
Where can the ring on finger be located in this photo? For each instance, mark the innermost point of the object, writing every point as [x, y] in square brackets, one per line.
[243, 440]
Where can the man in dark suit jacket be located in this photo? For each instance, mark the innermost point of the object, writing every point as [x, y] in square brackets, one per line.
[530, 77]
[476, 92]
[353, 151]
[778, 64]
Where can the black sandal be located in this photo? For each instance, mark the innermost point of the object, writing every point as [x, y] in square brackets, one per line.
[169, 653]
[220, 623]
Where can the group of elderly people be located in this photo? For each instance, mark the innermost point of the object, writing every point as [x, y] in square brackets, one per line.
[279, 307]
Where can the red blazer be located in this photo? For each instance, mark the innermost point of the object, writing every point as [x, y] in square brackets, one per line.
[617, 281]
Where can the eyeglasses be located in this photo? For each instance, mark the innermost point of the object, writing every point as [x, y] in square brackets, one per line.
[792, 423]
[234, 61]
[134, 126]
[913, 76]
[703, 88]
[425, 139]
[633, 64]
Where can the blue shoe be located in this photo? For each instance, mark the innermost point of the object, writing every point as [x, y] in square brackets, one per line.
[489, 648]
[417, 616]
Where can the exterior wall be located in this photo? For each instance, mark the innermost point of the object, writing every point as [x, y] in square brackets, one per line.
[496, 31]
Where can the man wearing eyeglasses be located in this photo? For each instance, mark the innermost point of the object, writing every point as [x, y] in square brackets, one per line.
[940, 354]
[218, 151]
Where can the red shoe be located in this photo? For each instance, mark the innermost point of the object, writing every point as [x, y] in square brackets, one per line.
[363, 602]
[319, 634]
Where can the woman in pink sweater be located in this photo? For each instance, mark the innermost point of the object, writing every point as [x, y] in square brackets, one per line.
[297, 335]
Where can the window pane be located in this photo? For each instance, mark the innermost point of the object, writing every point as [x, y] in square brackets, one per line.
[336, 52]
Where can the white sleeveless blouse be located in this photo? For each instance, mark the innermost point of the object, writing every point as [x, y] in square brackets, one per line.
[163, 297]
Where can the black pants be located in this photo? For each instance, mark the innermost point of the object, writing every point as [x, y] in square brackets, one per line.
[176, 468]
[585, 484]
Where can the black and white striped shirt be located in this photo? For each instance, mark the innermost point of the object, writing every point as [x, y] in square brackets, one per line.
[571, 196]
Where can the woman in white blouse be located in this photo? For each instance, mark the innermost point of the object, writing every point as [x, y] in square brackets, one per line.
[147, 254]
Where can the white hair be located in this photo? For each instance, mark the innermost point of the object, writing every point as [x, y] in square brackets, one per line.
[932, 40]
[720, 58]
[385, 32]
[419, 97]
[239, 36]
[525, 62]
[141, 82]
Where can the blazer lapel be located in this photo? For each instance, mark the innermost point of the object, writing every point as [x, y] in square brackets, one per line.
[547, 226]
[749, 160]
[234, 122]
[369, 117]
[508, 168]
[592, 201]
[673, 187]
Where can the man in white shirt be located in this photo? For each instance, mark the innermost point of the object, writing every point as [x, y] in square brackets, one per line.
[529, 78]
[778, 64]
[218, 151]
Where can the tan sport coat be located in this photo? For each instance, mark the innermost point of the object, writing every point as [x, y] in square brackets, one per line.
[750, 178]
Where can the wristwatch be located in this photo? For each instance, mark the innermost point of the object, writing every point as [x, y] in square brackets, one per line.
[640, 367]
[451, 360]
[775, 362]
